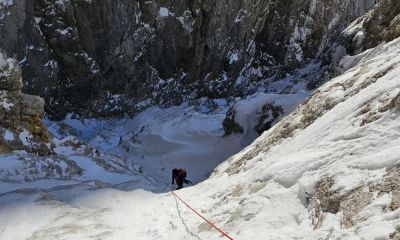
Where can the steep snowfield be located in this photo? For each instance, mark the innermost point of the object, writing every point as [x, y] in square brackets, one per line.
[330, 170]
[347, 131]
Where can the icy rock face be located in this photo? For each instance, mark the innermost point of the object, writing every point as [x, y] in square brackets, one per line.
[230, 125]
[20, 114]
[382, 23]
[103, 57]
[259, 112]
[269, 115]
[266, 117]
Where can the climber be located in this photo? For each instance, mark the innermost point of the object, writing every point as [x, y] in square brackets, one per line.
[179, 176]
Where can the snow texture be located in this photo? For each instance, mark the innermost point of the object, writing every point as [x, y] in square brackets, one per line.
[347, 131]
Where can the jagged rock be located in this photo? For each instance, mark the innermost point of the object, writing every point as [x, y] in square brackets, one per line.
[20, 114]
[103, 57]
[381, 24]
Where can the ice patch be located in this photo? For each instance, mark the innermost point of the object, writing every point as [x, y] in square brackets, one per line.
[164, 12]
[9, 136]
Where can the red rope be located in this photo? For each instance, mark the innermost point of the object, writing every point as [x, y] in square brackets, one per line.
[209, 222]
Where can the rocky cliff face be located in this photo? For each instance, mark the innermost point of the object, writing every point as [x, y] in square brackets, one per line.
[20, 114]
[104, 57]
[381, 24]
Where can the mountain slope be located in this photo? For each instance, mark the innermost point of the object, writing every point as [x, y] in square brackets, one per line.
[329, 170]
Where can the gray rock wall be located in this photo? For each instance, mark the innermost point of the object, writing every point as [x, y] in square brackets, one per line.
[382, 24]
[101, 57]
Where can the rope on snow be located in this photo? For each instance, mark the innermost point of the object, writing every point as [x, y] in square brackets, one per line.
[207, 221]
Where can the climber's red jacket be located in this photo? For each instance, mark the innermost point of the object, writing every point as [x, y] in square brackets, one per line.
[179, 176]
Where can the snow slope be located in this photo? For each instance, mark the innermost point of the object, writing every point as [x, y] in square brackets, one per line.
[330, 170]
[348, 131]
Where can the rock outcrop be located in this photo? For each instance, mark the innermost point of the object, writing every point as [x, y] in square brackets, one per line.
[259, 112]
[103, 57]
[21, 115]
[266, 117]
[230, 123]
[326, 200]
[269, 115]
[381, 24]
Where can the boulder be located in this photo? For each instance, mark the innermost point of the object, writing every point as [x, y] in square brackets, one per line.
[21, 114]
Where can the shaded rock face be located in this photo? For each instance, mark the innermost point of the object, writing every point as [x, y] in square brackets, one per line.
[103, 57]
[382, 23]
[230, 123]
[266, 117]
[21, 115]
[269, 115]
